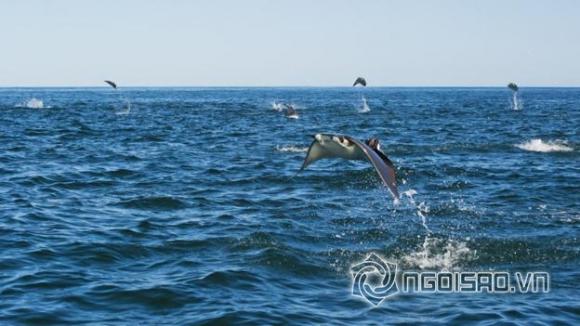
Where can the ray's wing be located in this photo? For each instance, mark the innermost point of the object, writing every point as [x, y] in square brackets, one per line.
[315, 153]
[112, 84]
[385, 170]
[385, 159]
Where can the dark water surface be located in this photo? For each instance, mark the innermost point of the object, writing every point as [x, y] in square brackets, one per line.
[185, 209]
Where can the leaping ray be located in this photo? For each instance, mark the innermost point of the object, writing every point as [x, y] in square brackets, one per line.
[349, 148]
[291, 111]
[112, 84]
[122, 98]
[360, 81]
[513, 86]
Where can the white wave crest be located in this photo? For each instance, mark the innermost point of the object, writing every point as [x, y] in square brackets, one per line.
[538, 145]
[291, 149]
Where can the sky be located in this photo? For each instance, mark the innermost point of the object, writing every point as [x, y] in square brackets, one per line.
[289, 42]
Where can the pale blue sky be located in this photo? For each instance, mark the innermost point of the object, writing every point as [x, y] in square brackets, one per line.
[289, 43]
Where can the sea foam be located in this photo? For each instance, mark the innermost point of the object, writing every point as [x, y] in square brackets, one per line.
[538, 145]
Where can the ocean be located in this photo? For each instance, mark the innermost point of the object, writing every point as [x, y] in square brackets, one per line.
[185, 205]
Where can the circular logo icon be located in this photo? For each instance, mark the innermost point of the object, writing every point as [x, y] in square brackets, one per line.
[374, 279]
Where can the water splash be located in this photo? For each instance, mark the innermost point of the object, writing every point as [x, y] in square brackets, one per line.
[538, 145]
[32, 103]
[288, 108]
[514, 88]
[516, 105]
[278, 106]
[365, 107]
[422, 208]
[291, 149]
[439, 253]
[434, 252]
[127, 109]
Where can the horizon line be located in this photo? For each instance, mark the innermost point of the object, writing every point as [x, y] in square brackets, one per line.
[290, 86]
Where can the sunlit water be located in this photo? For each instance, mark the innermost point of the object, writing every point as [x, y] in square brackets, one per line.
[188, 208]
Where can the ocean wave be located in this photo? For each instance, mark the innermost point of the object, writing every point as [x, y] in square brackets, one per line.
[121, 173]
[154, 202]
[230, 277]
[538, 145]
[154, 297]
[173, 214]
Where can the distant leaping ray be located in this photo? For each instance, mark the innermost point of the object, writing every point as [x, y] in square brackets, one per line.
[112, 84]
[513, 87]
[360, 81]
[291, 111]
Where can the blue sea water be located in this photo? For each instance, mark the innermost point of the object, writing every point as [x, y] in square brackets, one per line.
[188, 209]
